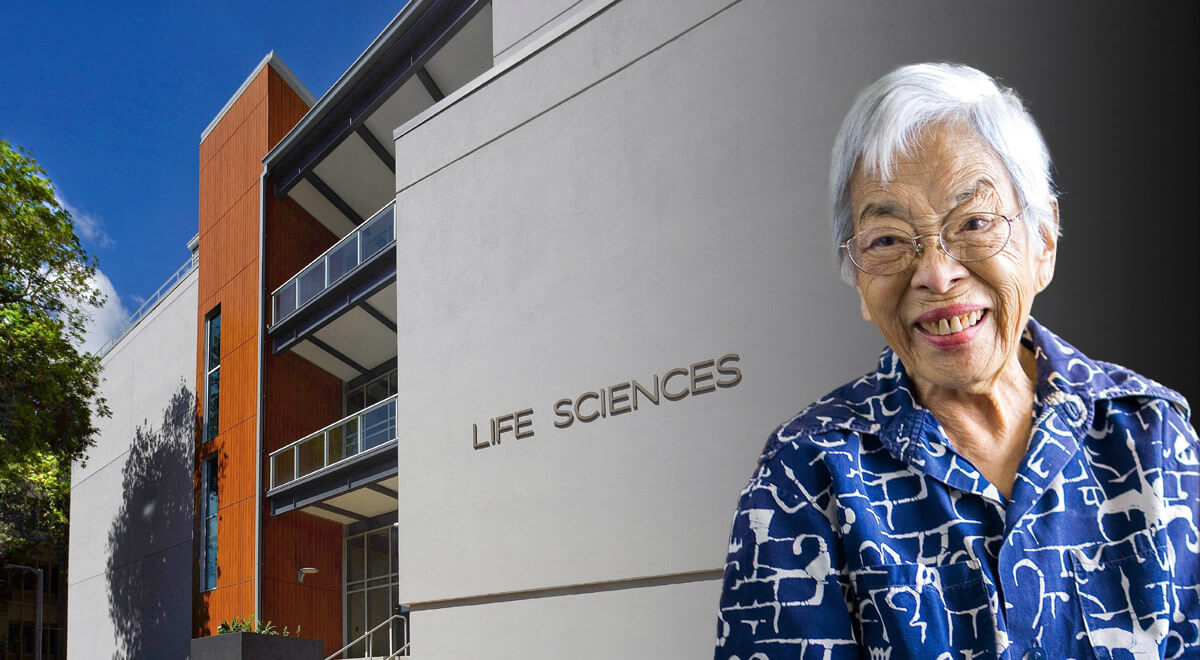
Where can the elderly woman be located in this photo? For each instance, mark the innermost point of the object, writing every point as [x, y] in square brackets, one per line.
[988, 491]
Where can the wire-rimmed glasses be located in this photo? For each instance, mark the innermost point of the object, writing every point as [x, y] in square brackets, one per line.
[967, 236]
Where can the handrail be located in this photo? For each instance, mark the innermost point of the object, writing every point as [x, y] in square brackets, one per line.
[359, 437]
[326, 281]
[367, 636]
[150, 303]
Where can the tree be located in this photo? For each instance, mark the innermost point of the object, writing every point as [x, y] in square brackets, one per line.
[48, 389]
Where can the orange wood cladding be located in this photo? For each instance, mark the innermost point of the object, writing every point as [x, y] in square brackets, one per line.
[300, 397]
[228, 214]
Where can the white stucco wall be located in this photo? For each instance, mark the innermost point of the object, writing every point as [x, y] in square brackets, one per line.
[129, 584]
[515, 22]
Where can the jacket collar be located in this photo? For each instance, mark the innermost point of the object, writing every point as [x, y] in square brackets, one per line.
[1069, 385]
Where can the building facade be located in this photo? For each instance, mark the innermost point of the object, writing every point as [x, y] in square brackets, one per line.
[487, 338]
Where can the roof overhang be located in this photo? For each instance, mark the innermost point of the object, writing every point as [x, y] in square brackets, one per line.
[398, 54]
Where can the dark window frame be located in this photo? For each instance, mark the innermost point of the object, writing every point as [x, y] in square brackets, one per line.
[209, 510]
[211, 425]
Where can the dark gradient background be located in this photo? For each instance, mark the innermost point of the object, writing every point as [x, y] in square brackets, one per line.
[1123, 135]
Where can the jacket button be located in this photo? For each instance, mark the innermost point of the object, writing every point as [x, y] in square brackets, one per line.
[1035, 653]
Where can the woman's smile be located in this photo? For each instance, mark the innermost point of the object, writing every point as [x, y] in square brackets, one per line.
[953, 326]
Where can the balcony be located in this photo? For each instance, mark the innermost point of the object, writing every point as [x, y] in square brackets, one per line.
[339, 311]
[344, 472]
[339, 261]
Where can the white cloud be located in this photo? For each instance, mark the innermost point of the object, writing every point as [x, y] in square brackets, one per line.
[107, 320]
[89, 227]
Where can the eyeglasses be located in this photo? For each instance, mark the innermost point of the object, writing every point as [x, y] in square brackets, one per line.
[967, 236]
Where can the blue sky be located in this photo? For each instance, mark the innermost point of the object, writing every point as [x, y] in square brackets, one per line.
[111, 99]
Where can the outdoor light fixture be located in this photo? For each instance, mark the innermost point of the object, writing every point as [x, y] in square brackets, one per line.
[307, 570]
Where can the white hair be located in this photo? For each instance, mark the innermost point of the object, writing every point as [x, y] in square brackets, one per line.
[889, 116]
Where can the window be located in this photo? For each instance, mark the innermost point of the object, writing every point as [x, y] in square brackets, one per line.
[208, 516]
[371, 392]
[372, 569]
[212, 368]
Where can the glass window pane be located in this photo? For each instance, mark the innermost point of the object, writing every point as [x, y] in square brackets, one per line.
[394, 553]
[210, 553]
[392, 384]
[356, 622]
[283, 467]
[214, 341]
[337, 444]
[379, 425]
[311, 455]
[212, 410]
[350, 437]
[355, 560]
[378, 610]
[377, 554]
[355, 401]
[342, 259]
[311, 281]
[377, 233]
[376, 391]
[285, 301]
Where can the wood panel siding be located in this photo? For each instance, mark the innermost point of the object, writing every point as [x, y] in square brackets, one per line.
[298, 398]
[229, 221]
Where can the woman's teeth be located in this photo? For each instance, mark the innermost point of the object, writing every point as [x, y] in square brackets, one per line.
[952, 324]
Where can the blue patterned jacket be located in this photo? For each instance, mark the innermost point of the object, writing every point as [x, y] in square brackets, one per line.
[863, 534]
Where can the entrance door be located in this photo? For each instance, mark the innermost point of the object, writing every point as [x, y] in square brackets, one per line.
[371, 568]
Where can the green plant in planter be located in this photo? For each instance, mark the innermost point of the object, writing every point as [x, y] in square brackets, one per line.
[251, 625]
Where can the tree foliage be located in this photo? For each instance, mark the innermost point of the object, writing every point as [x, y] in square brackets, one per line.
[48, 388]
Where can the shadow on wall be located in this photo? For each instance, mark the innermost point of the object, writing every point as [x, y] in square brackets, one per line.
[149, 567]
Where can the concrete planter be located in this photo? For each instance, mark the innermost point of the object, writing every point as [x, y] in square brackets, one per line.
[253, 646]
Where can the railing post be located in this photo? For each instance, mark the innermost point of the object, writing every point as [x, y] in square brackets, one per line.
[295, 463]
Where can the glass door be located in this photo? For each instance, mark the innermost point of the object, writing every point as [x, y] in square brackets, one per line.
[371, 568]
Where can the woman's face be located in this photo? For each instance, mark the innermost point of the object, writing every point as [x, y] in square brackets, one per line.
[951, 171]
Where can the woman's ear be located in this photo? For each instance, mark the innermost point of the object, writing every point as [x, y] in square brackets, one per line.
[1045, 259]
[862, 303]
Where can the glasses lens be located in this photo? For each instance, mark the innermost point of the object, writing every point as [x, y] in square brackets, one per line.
[882, 250]
[976, 236]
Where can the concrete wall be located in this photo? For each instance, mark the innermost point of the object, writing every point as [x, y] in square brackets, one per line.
[130, 558]
[648, 192]
[516, 22]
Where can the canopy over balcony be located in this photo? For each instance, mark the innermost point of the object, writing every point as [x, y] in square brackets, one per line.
[339, 161]
[339, 312]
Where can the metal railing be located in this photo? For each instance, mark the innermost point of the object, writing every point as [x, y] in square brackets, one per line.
[364, 430]
[326, 270]
[369, 639]
[151, 303]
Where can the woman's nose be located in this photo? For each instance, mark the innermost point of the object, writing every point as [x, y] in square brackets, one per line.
[935, 270]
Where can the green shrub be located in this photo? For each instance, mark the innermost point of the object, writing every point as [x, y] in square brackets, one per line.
[251, 625]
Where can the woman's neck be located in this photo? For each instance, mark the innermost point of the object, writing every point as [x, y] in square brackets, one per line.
[990, 427]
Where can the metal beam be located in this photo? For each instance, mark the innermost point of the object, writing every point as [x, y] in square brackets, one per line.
[384, 490]
[333, 198]
[376, 146]
[431, 86]
[339, 511]
[337, 354]
[417, 35]
[378, 315]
